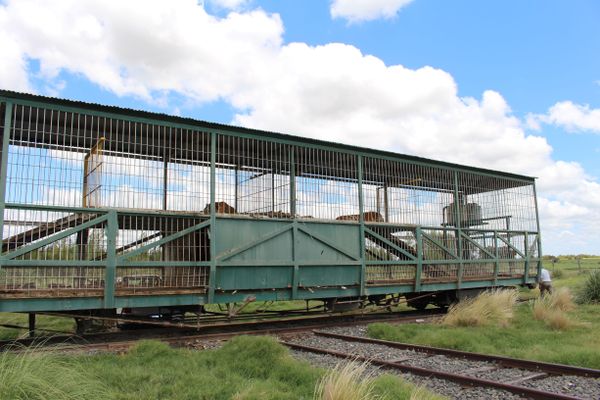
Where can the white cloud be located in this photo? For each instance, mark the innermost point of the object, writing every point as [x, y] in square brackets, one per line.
[366, 10]
[13, 68]
[570, 116]
[230, 4]
[151, 48]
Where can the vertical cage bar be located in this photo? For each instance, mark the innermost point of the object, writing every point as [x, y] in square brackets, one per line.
[419, 270]
[213, 217]
[4, 161]
[459, 241]
[361, 219]
[293, 182]
[539, 233]
[112, 230]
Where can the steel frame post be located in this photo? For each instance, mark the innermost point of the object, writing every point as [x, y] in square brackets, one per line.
[295, 237]
[213, 218]
[4, 162]
[361, 219]
[497, 259]
[459, 242]
[539, 232]
[419, 270]
[112, 230]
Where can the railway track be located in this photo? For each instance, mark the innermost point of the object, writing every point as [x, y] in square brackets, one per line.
[180, 334]
[468, 370]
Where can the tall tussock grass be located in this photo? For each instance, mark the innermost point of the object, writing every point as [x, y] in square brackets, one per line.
[347, 381]
[494, 307]
[353, 381]
[43, 375]
[590, 292]
[552, 309]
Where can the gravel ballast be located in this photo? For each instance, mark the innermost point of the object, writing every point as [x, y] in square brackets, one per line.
[585, 388]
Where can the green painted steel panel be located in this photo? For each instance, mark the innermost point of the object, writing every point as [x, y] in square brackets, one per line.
[235, 234]
[343, 241]
[330, 275]
[244, 278]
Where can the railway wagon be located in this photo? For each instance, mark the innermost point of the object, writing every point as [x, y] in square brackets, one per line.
[103, 208]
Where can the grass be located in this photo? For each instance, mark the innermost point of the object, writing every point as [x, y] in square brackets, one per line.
[590, 292]
[347, 381]
[43, 375]
[552, 309]
[493, 307]
[525, 337]
[245, 368]
[42, 322]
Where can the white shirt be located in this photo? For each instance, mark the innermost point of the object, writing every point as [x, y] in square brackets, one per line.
[545, 276]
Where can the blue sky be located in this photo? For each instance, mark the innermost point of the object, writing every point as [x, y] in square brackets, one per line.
[524, 73]
[534, 53]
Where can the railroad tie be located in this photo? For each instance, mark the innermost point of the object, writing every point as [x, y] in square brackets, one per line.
[530, 377]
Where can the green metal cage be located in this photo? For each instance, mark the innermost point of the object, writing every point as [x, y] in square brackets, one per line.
[103, 207]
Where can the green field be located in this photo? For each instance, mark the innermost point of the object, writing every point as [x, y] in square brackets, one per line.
[525, 337]
[245, 368]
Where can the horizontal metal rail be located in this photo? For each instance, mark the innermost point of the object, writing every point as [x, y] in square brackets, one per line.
[552, 368]
[461, 379]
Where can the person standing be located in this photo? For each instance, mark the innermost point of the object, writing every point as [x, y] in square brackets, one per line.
[545, 282]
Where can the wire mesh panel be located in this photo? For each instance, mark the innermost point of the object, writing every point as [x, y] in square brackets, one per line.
[495, 203]
[52, 247]
[44, 235]
[390, 274]
[404, 193]
[64, 158]
[59, 281]
[326, 184]
[252, 177]
[159, 243]
[478, 271]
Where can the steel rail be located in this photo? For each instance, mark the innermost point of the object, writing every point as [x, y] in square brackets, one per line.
[461, 379]
[558, 369]
[226, 330]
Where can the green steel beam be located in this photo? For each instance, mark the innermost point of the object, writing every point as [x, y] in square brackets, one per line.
[296, 265]
[212, 276]
[419, 270]
[539, 230]
[390, 262]
[328, 242]
[112, 230]
[164, 264]
[496, 261]
[54, 237]
[4, 161]
[392, 245]
[52, 263]
[436, 243]
[361, 220]
[526, 272]
[235, 251]
[123, 212]
[457, 213]
[260, 263]
[293, 182]
[480, 247]
[123, 258]
[511, 246]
